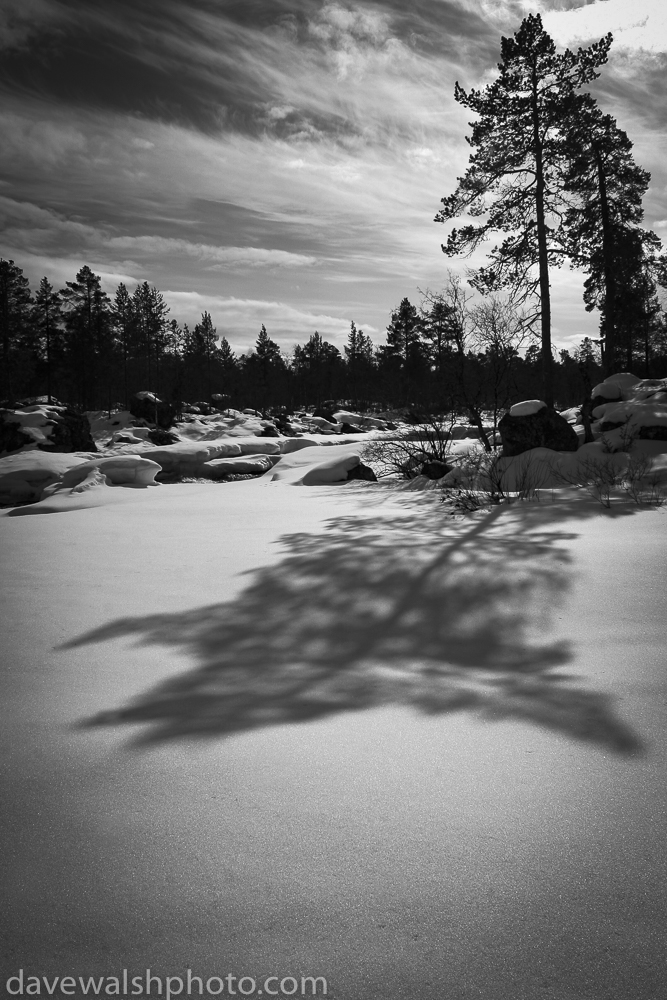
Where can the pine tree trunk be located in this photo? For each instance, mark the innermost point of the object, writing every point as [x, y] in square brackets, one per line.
[543, 255]
[609, 360]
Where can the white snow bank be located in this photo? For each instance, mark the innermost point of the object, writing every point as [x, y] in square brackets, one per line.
[95, 484]
[316, 466]
[25, 474]
[543, 468]
[527, 407]
[118, 470]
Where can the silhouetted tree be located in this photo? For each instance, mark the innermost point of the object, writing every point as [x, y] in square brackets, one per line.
[46, 321]
[87, 322]
[602, 226]
[15, 318]
[518, 165]
[359, 361]
[265, 369]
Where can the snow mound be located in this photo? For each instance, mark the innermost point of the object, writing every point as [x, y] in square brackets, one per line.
[290, 445]
[25, 475]
[608, 390]
[527, 407]
[316, 466]
[119, 470]
[649, 414]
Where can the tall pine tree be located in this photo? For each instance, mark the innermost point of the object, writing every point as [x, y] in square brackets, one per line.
[514, 176]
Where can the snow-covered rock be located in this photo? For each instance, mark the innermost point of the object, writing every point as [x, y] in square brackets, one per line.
[539, 427]
[527, 407]
[317, 466]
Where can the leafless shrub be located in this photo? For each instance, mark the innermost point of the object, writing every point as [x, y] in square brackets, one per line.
[487, 483]
[599, 477]
[405, 453]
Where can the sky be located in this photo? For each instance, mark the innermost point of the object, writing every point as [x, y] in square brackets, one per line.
[278, 161]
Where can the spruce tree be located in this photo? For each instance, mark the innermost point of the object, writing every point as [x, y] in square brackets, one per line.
[47, 319]
[123, 321]
[602, 226]
[15, 317]
[87, 320]
[514, 176]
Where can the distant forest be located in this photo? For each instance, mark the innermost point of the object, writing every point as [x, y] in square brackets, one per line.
[91, 351]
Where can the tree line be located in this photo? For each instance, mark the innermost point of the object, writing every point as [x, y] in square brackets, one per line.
[450, 353]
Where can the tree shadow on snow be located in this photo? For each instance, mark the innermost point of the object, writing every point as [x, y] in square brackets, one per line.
[410, 609]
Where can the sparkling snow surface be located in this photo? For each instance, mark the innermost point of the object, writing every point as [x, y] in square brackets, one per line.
[260, 730]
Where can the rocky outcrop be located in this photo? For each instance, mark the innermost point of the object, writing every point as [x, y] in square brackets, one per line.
[70, 432]
[543, 428]
[12, 438]
[48, 427]
[147, 406]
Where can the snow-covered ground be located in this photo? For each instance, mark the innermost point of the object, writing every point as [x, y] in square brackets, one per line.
[264, 728]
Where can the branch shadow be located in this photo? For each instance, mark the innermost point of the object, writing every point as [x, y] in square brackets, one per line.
[411, 609]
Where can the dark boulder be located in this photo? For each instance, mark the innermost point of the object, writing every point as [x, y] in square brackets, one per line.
[146, 406]
[269, 432]
[71, 432]
[362, 471]
[159, 436]
[435, 469]
[543, 429]
[12, 438]
[325, 414]
[351, 429]
[656, 433]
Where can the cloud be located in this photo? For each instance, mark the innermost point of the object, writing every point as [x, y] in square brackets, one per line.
[641, 24]
[212, 256]
[240, 320]
[31, 228]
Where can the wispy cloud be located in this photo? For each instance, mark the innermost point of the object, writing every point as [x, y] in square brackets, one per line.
[283, 154]
[240, 320]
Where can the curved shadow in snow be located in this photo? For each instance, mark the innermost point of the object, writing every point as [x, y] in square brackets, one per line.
[413, 609]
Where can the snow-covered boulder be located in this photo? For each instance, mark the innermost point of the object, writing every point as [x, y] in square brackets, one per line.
[323, 425]
[527, 407]
[317, 466]
[147, 406]
[540, 427]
